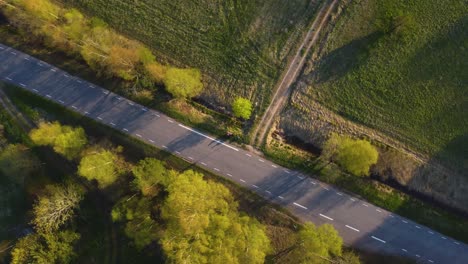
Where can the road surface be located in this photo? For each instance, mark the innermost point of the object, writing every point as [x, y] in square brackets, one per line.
[361, 224]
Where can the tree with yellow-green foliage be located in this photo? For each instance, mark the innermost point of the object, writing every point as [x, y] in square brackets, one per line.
[56, 206]
[355, 156]
[140, 226]
[104, 166]
[45, 248]
[242, 108]
[183, 83]
[317, 245]
[149, 175]
[204, 226]
[65, 140]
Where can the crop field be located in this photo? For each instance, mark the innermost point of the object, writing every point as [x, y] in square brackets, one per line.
[240, 46]
[410, 82]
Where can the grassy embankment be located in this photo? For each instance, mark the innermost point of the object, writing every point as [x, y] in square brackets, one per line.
[409, 83]
[240, 46]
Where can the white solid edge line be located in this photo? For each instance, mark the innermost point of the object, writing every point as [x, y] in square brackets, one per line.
[301, 206]
[208, 137]
[327, 217]
[378, 239]
[352, 228]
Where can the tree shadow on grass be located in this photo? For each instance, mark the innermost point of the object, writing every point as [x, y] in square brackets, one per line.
[347, 58]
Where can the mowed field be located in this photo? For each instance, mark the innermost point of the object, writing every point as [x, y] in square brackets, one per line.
[412, 85]
[240, 46]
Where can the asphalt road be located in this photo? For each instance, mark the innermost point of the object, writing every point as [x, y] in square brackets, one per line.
[361, 224]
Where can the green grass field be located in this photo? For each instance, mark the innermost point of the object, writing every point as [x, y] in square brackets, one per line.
[240, 46]
[413, 87]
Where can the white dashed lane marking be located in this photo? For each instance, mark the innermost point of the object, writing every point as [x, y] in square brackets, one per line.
[48, 96]
[255, 186]
[300, 206]
[74, 107]
[274, 166]
[378, 239]
[404, 221]
[352, 228]
[203, 163]
[8, 78]
[113, 124]
[100, 118]
[22, 85]
[170, 121]
[230, 175]
[138, 135]
[126, 130]
[366, 205]
[248, 155]
[281, 197]
[340, 194]
[216, 169]
[326, 217]
[242, 180]
[152, 141]
[404, 250]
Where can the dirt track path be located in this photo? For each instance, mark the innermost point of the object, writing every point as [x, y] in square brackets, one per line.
[284, 87]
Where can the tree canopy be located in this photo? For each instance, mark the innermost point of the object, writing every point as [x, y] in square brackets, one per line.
[183, 83]
[242, 108]
[101, 165]
[205, 227]
[65, 140]
[17, 163]
[356, 156]
[317, 245]
[45, 248]
[149, 173]
[136, 213]
[56, 206]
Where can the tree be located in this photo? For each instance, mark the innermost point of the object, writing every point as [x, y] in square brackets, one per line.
[56, 206]
[348, 257]
[139, 225]
[101, 165]
[242, 108]
[356, 156]
[203, 225]
[149, 173]
[156, 72]
[317, 245]
[65, 140]
[17, 163]
[183, 83]
[46, 133]
[71, 142]
[45, 248]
